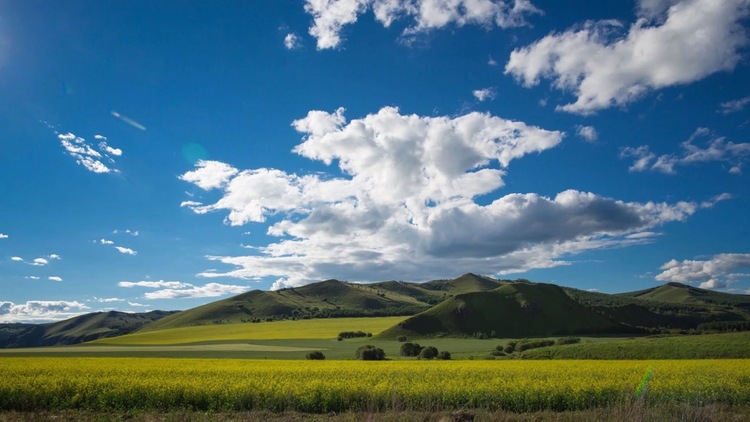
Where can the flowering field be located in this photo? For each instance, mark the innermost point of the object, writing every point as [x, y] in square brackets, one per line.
[324, 386]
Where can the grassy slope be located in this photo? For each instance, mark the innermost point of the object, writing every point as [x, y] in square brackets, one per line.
[518, 309]
[680, 293]
[300, 329]
[707, 346]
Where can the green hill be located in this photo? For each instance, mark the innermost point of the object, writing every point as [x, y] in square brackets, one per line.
[681, 293]
[325, 299]
[75, 330]
[330, 298]
[668, 307]
[516, 309]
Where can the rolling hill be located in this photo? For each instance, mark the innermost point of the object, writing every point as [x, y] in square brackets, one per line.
[516, 309]
[465, 306]
[75, 330]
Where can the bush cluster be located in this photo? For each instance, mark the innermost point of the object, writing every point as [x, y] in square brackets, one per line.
[370, 352]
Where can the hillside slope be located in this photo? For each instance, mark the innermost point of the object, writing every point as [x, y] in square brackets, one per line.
[516, 309]
[75, 330]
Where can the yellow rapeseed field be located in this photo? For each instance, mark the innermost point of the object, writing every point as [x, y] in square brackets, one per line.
[324, 386]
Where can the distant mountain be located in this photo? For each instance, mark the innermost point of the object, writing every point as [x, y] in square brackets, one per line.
[681, 293]
[75, 330]
[516, 309]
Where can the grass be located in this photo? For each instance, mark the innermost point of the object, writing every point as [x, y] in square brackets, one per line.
[707, 346]
[286, 330]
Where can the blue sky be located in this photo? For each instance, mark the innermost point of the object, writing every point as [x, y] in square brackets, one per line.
[161, 155]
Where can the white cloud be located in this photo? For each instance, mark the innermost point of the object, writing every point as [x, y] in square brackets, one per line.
[107, 299]
[716, 149]
[666, 46]
[734, 106]
[588, 133]
[40, 262]
[484, 94]
[85, 155]
[40, 311]
[54, 278]
[137, 305]
[106, 242]
[54, 256]
[406, 204]
[16, 259]
[210, 174]
[154, 284]
[719, 271]
[32, 277]
[126, 251]
[208, 290]
[3, 236]
[331, 16]
[292, 41]
[180, 290]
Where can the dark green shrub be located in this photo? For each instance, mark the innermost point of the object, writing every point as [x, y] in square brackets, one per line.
[354, 334]
[401, 338]
[444, 355]
[410, 349]
[370, 352]
[534, 344]
[428, 352]
[568, 340]
[316, 355]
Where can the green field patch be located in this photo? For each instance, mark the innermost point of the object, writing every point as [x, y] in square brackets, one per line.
[278, 330]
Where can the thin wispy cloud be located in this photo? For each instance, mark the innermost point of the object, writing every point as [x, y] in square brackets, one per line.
[179, 290]
[733, 106]
[714, 148]
[88, 157]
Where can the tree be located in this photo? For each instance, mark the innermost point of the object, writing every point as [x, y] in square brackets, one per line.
[370, 352]
[410, 349]
[444, 355]
[316, 355]
[428, 352]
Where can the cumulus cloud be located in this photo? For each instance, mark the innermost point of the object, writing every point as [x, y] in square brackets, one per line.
[603, 65]
[331, 16]
[86, 155]
[292, 41]
[3, 236]
[179, 290]
[484, 94]
[588, 133]
[210, 174]
[16, 259]
[106, 242]
[137, 305]
[127, 231]
[54, 256]
[734, 106]
[32, 277]
[407, 204]
[715, 149]
[126, 251]
[719, 271]
[40, 311]
[54, 278]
